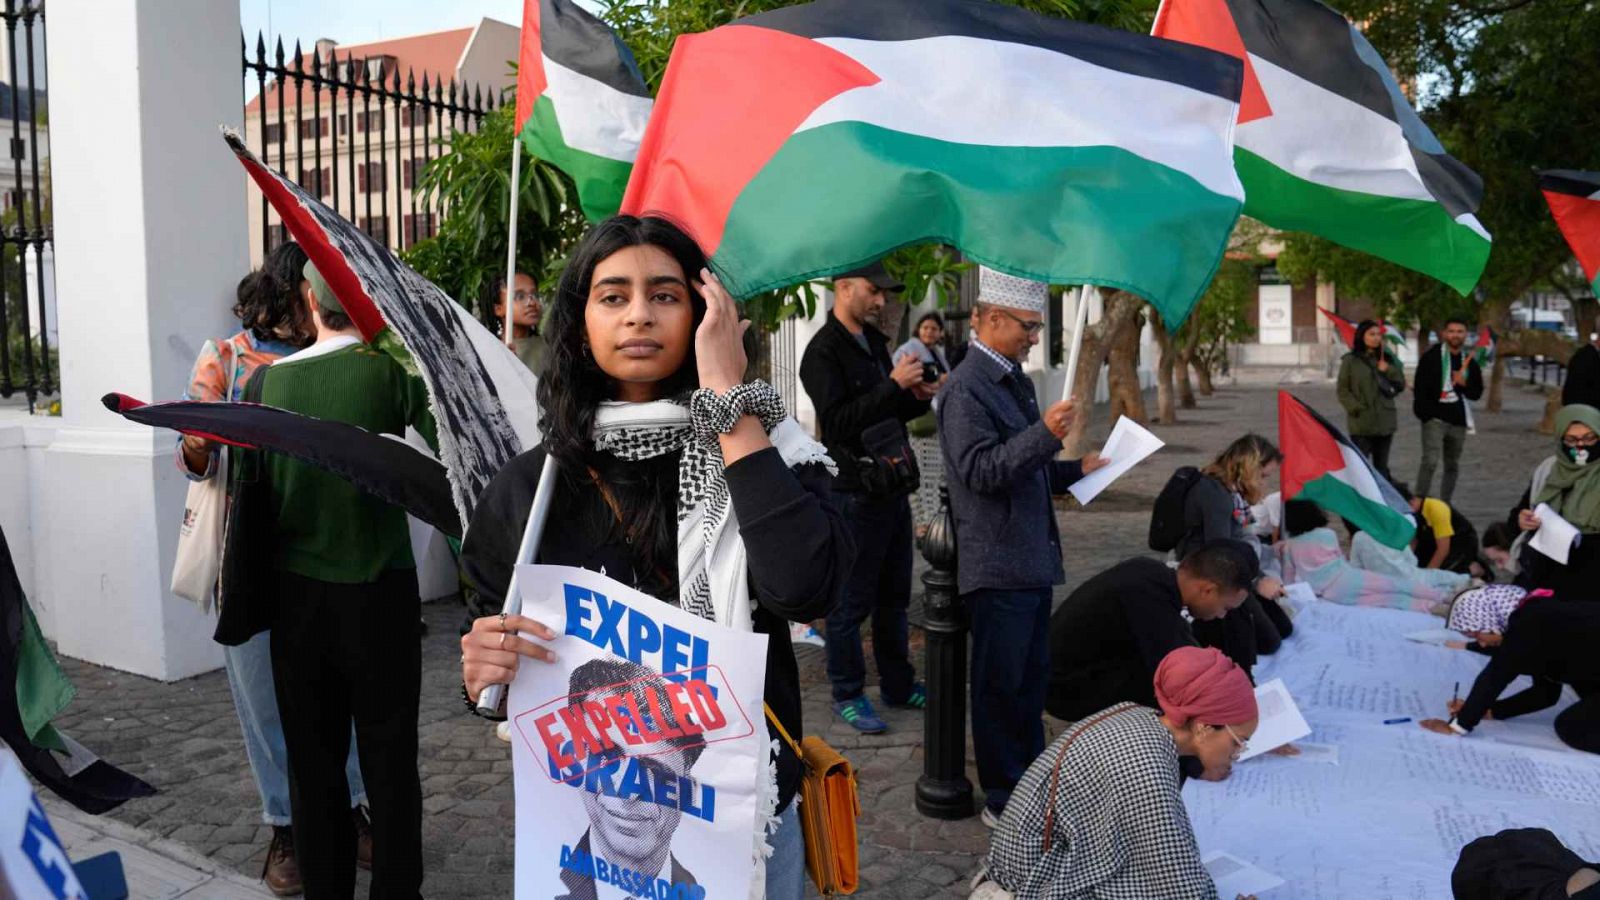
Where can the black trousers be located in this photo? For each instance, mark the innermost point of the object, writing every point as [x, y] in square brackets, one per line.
[1578, 726]
[343, 652]
[1376, 447]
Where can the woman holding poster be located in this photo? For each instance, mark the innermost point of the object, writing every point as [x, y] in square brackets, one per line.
[681, 479]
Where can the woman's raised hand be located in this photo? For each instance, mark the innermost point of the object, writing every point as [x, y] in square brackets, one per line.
[491, 650]
[1528, 521]
[719, 342]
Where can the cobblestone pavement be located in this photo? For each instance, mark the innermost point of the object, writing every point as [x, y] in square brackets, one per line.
[183, 737]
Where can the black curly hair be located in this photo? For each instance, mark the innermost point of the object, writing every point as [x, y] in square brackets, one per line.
[268, 303]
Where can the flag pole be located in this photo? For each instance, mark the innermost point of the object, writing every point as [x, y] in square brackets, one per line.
[489, 701]
[511, 241]
[1082, 316]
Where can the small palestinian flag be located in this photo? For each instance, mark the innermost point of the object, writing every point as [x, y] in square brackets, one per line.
[806, 141]
[581, 103]
[1483, 346]
[1574, 199]
[1320, 464]
[1328, 143]
[1347, 329]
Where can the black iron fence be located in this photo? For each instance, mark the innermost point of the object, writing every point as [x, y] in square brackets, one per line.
[28, 363]
[362, 115]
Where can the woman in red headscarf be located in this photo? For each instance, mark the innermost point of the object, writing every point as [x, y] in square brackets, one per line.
[1099, 814]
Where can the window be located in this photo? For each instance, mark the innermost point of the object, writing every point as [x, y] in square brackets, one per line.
[315, 181]
[313, 128]
[274, 132]
[370, 178]
[344, 125]
[370, 121]
[277, 235]
[419, 226]
[411, 171]
[378, 228]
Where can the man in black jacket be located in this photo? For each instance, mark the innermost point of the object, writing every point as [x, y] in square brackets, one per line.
[1447, 378]
[1583, 375]
[854, 385]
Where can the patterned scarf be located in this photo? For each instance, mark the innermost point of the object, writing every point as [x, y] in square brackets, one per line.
[1487, 608]
[713, 573]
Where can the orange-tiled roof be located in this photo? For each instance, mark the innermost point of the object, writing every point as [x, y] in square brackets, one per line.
[436, 54]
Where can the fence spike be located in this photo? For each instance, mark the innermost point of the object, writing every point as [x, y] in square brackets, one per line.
[411, 81]
[280, 51]
[261, 48]
[299, 60]
[316, 60]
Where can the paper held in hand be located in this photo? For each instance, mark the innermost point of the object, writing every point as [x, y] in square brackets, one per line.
[1555, 536]
[1281, 722]
[1128, 444]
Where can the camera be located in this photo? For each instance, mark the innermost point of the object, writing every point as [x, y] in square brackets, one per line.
[930, 373]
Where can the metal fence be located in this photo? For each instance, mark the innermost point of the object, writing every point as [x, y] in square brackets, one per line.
[338, 143]
[28, 363]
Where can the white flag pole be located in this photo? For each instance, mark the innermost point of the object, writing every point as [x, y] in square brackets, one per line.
[511, 242]
[1084, 294]
[489, 701]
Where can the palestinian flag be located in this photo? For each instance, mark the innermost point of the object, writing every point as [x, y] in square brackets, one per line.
[36, 692]
[481, 395]
[1321, 464]
[389, 469]
[1347, 329]
[1483, 345]
[1574, 199]
[1328, 143]
[812, 139]
[581, 103]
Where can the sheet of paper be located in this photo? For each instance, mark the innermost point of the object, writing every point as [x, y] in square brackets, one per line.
[1235, 878]
[1298, 595]
[1128, 444]
[1281, 721]
[1436, 636]
[1555, 536]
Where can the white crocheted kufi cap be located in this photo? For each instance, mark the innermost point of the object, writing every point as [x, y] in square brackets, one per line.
[1000, 289]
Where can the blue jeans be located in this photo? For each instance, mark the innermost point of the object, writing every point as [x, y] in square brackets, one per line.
[1010, 672]
[786, 867]
[249, 668]
[879, 589]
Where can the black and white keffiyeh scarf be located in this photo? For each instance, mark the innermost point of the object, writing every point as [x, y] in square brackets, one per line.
[713, 571]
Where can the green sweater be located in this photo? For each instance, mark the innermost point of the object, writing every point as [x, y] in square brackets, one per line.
[328, 529]
[1370, 412]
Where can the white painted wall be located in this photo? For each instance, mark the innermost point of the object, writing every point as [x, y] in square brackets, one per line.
[161, 216]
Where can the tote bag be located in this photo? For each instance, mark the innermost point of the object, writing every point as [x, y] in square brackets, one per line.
[198, 563]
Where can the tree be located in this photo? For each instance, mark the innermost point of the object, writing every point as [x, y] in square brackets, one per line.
[1501, 85]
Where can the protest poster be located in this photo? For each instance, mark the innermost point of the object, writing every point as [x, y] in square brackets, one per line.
[636, 754]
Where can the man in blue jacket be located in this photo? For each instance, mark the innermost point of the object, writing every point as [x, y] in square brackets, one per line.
[999, 455]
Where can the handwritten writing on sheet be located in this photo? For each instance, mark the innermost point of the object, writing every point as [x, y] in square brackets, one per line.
[1503, 767]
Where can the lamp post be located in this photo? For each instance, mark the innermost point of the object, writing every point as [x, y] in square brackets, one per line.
[943, 790]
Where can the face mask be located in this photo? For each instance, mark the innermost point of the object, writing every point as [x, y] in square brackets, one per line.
[1579, 455]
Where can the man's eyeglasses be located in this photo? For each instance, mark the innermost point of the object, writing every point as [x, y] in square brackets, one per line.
[1029, 327]
[1240, 745]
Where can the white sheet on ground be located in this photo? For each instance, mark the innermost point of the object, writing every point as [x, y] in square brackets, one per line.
[1236, 878]
[1390, 819]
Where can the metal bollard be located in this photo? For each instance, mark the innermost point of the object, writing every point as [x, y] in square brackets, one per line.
[943, 790]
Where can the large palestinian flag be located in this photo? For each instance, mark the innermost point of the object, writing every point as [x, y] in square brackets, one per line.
[1320, 464]
[581, 102]
[806, 141]
[1574, 199]
[481, 395]
[1328, 143]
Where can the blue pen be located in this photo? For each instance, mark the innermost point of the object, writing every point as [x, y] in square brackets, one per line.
[1397, 721]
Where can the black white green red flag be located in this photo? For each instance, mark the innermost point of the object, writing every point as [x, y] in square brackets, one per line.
[1322, 465]
[581, 103]
[1328, 143]
[1574, 199]
[806, 141]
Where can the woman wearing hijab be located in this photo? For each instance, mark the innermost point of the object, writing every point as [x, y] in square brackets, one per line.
[675, 476]
[1311, 554]
[1370, 377]
[1544, 637]
[1569, 482]
[1099, 813]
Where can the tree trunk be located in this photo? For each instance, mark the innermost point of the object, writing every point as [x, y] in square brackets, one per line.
[1166, 408]
[1185, 383]
[1202, 374]
[1121, 310]
[1123, 361]
[1552, 405]
[1497, 375]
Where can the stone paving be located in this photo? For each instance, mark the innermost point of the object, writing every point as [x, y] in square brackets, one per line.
[184, 739]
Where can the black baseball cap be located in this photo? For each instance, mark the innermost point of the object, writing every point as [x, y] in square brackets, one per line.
[877, 274]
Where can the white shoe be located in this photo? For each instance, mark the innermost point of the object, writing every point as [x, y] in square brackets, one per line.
[990, 820]
[502, 730]
[801, 633]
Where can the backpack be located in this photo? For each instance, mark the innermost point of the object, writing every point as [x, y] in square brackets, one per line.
[1167, 524]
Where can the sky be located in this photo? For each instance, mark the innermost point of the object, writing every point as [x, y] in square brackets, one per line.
[359, 21]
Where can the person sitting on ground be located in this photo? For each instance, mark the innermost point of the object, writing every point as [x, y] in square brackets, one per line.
[1523, 864]
[1099, 813]
[1110, 634]
[526, 313]
[1569, 482]
[1217, 508]
[1310, 553]
[1499, 551]
[1367, 552]
[1535, 634]
[1445, 538]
